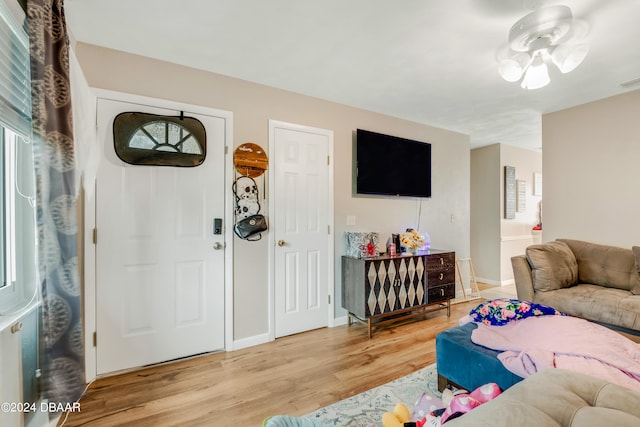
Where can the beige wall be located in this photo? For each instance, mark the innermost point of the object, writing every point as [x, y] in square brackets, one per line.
[591, 158]
[494, 239]
[445, 216]
[485, 212]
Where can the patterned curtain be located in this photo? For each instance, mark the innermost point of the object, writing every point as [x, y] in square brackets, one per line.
[63, 365]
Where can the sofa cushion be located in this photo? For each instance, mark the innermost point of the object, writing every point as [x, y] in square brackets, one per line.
[636, 254]
[604, 265]
[558, 397]
[596, 303]
[553, 266]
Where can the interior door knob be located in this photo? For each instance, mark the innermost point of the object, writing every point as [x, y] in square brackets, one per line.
[281, 243]
[218, 245]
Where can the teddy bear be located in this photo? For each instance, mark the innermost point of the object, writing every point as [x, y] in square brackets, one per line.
[399, 417]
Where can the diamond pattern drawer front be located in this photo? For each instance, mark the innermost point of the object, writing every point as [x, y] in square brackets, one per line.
[394, 284]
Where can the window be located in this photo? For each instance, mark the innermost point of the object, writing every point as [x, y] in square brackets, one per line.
[17, 183]
[17, 219]
[7, 210]
[149, 139]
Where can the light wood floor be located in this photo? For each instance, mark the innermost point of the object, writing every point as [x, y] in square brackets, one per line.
[293, 375]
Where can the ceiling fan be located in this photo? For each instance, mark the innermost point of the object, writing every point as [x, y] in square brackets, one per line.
[546, 35]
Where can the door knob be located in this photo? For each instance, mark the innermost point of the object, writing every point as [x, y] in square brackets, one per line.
[218, 245]
[281, 243]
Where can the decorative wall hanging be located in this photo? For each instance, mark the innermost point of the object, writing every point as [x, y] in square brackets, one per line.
[246, 192]
[249, 223]
[509, 192]
[250, 160]
[537, 184]
[521, 187]
[150, 139]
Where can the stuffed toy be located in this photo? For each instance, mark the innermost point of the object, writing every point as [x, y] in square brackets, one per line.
[398, 417]
[462, 403]
[428, 409]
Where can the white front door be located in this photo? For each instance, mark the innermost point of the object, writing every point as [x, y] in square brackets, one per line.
[301, 214]
[159, 280]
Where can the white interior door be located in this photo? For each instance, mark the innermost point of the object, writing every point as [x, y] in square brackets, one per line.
[302, 212]
[159, 280]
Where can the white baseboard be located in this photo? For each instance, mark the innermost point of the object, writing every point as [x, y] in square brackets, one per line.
[495, 282]
[250, 341]
[265, 338]
[339, 321]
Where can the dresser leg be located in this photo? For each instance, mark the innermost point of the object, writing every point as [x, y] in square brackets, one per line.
[369, 326]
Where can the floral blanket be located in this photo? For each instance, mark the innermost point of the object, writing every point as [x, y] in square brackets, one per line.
[502, 311]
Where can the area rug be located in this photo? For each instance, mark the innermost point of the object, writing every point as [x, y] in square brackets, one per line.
[366, 409]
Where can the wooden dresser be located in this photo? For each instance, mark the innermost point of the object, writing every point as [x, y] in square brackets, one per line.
[384, 288]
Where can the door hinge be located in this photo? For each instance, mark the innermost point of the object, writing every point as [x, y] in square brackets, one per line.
[328, 161]
[95, 236]
[329, 298]
[226, 149]
[95, 339]
[328, 229]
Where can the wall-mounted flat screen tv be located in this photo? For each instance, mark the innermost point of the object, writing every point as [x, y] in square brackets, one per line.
[389, 165]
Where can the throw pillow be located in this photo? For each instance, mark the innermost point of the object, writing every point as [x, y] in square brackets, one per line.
[553, 266]
[501, 311]
[604, 265]
[636, 253]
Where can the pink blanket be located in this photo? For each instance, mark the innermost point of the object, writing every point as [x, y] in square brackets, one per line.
[535, 343]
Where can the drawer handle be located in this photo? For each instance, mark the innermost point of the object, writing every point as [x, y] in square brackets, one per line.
[441, 276]
[441, 292]
[442, 261]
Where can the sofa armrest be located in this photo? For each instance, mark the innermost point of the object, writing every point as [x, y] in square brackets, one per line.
[523, 277]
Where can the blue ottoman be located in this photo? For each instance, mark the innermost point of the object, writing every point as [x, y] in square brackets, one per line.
[466, 365]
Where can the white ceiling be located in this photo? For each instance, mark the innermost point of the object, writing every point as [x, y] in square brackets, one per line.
[429, 61]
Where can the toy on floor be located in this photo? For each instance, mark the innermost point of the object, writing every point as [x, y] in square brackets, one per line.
[425, 404]
[431, 411]
[428, 409]
[398, 417]
[460, 404]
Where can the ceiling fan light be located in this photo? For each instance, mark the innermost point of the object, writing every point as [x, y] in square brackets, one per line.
[567, 58]
[511, 69]
[536, 76]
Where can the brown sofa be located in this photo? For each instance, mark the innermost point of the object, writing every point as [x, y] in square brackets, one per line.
[596, 282]
[554, 398]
